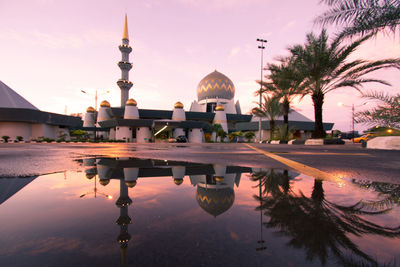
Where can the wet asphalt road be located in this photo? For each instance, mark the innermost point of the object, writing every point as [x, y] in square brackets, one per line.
[344, 161]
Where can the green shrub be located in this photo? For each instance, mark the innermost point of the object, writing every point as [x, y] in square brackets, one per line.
[19, 138]
[5, 138]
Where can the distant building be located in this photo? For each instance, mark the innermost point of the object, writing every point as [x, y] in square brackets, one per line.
[18, 117]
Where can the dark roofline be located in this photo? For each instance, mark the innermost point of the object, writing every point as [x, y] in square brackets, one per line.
[37, 116]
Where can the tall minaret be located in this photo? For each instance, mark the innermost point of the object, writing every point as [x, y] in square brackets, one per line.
[125, 66]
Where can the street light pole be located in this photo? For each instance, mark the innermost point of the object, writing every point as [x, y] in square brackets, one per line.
[261, 47]
[340, 104]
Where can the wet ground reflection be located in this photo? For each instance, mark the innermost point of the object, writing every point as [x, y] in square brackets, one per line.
[144, 212]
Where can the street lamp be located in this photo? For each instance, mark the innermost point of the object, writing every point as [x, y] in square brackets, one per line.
[95, 97]
[96, 191]
[341, 104]
[261, 47]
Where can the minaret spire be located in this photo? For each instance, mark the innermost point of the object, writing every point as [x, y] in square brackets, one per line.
[125, 66]
[125, 35]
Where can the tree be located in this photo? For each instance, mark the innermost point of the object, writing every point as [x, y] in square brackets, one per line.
[270, 109]
[249, 136]
[362, 17]
[221, 134]
[284, 82]
[5, 138]
[387, 113]
[79, 134]
[214, 129]
[327, 67]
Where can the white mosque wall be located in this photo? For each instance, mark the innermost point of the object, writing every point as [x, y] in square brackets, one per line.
[196, 107]
[195, 179]
[89, 119]
[112, 134]
[131, 112]
[14, 129]
[220, 118]
[45, 130]
[178, 172]
[178, 114]
[143, 135]
[178, 132]
[230, 107]
[131, 174]
[124, 133]
[196, 136]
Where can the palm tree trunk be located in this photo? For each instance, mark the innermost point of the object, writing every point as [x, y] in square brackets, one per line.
[271, 128]
[286, 112]
[318, 100]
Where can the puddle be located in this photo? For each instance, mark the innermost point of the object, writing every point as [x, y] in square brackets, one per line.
[147, 212]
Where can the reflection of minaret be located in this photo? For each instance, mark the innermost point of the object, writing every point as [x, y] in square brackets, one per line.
[123, 202]
[125, 66]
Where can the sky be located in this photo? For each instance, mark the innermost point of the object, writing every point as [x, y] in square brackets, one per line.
[50, 50]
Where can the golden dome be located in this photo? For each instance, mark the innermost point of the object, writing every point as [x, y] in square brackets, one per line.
[220, 108]
[90, 175]
[105, 103]
[131, 102]
[90, 109]
[178, 105]
[130, 183]
[178, 181]
[219, 179]
[104, 182]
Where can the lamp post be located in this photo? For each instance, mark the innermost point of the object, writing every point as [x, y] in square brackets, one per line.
[261, 47]
[340, 104]
[95, 97]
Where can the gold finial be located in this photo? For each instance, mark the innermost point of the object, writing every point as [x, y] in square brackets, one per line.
[131, 102]
[104, 182]
[125, 35]
[105, 103]
[178, 105]
[90, 109]
[178, 181]
[130, 184]
[220, 108]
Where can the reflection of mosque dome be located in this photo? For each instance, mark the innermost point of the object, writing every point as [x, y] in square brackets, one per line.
[178, 105]
[215, 201]
[90, 109]
[178, 181]
[131, 102]
[215, 85]
[219, 108]
[130, 183]
[104, 182]
[90, 175]
[105, 103]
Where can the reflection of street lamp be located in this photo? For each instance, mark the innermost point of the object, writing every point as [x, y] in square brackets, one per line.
[95, 191]
[341, 104]
[261, 241]
[95, 97]
[262, 47]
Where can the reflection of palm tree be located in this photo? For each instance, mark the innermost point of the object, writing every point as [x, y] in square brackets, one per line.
[319, 225]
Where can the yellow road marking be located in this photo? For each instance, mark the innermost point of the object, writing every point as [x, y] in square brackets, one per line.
[286, 153]
[307, 170]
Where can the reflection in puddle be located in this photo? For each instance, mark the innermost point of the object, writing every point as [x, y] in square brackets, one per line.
[185, 214]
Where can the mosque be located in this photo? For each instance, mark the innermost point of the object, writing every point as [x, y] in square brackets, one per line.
[215, 104]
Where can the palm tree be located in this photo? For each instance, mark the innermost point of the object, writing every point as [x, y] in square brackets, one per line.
[327, 67]
[284, 82]
[387, 113]
[270, 109]
[214, 128]
[362, 16]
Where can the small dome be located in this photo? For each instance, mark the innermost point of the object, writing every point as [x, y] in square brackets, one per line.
[220, 108]
[219, 179]
[178, 181]
[131, 102]
[105, 103]
[90, 109]
[130, 183]
[90, 175]
[104, 182]
[178, 105]
[215, 85]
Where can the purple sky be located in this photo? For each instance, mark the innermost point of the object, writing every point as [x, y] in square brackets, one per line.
[50, 50]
